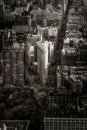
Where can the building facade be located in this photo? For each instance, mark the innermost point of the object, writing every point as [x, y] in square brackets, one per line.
[13, 65]
[42, 60]
[65, 123]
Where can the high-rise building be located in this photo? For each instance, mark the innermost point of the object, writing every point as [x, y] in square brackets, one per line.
[82, 53]
[2, 9]
[5, 35]
[13, 66]
[14, 124]
[42, 60]
[45, 51]
[1, 42]
[68, 56]
[65, 123]
[13, 62]
[31, 51]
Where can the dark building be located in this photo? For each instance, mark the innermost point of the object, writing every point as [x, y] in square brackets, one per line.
[68, 59]
[13, 60]
[2, 9]
[1, 46]
[14, 124]
[82, 53]
[64, 99]
[13, 66]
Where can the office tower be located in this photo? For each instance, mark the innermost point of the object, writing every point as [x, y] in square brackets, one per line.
[42, 60]
[82, 53]
[13, 65]
[45, 52]
[1, 44]
[50, 51]
[68, 56]
[13, 61]
[4, 38]
[31, 51]
[65, 123]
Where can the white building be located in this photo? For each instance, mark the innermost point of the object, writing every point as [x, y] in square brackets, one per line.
[30, 54]
[52, 31]
[45, 51]
[42, 60]
[48, 31]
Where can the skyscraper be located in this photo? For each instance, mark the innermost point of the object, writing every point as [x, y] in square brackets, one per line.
[42, 60]
[13, 61]
[13, 65]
